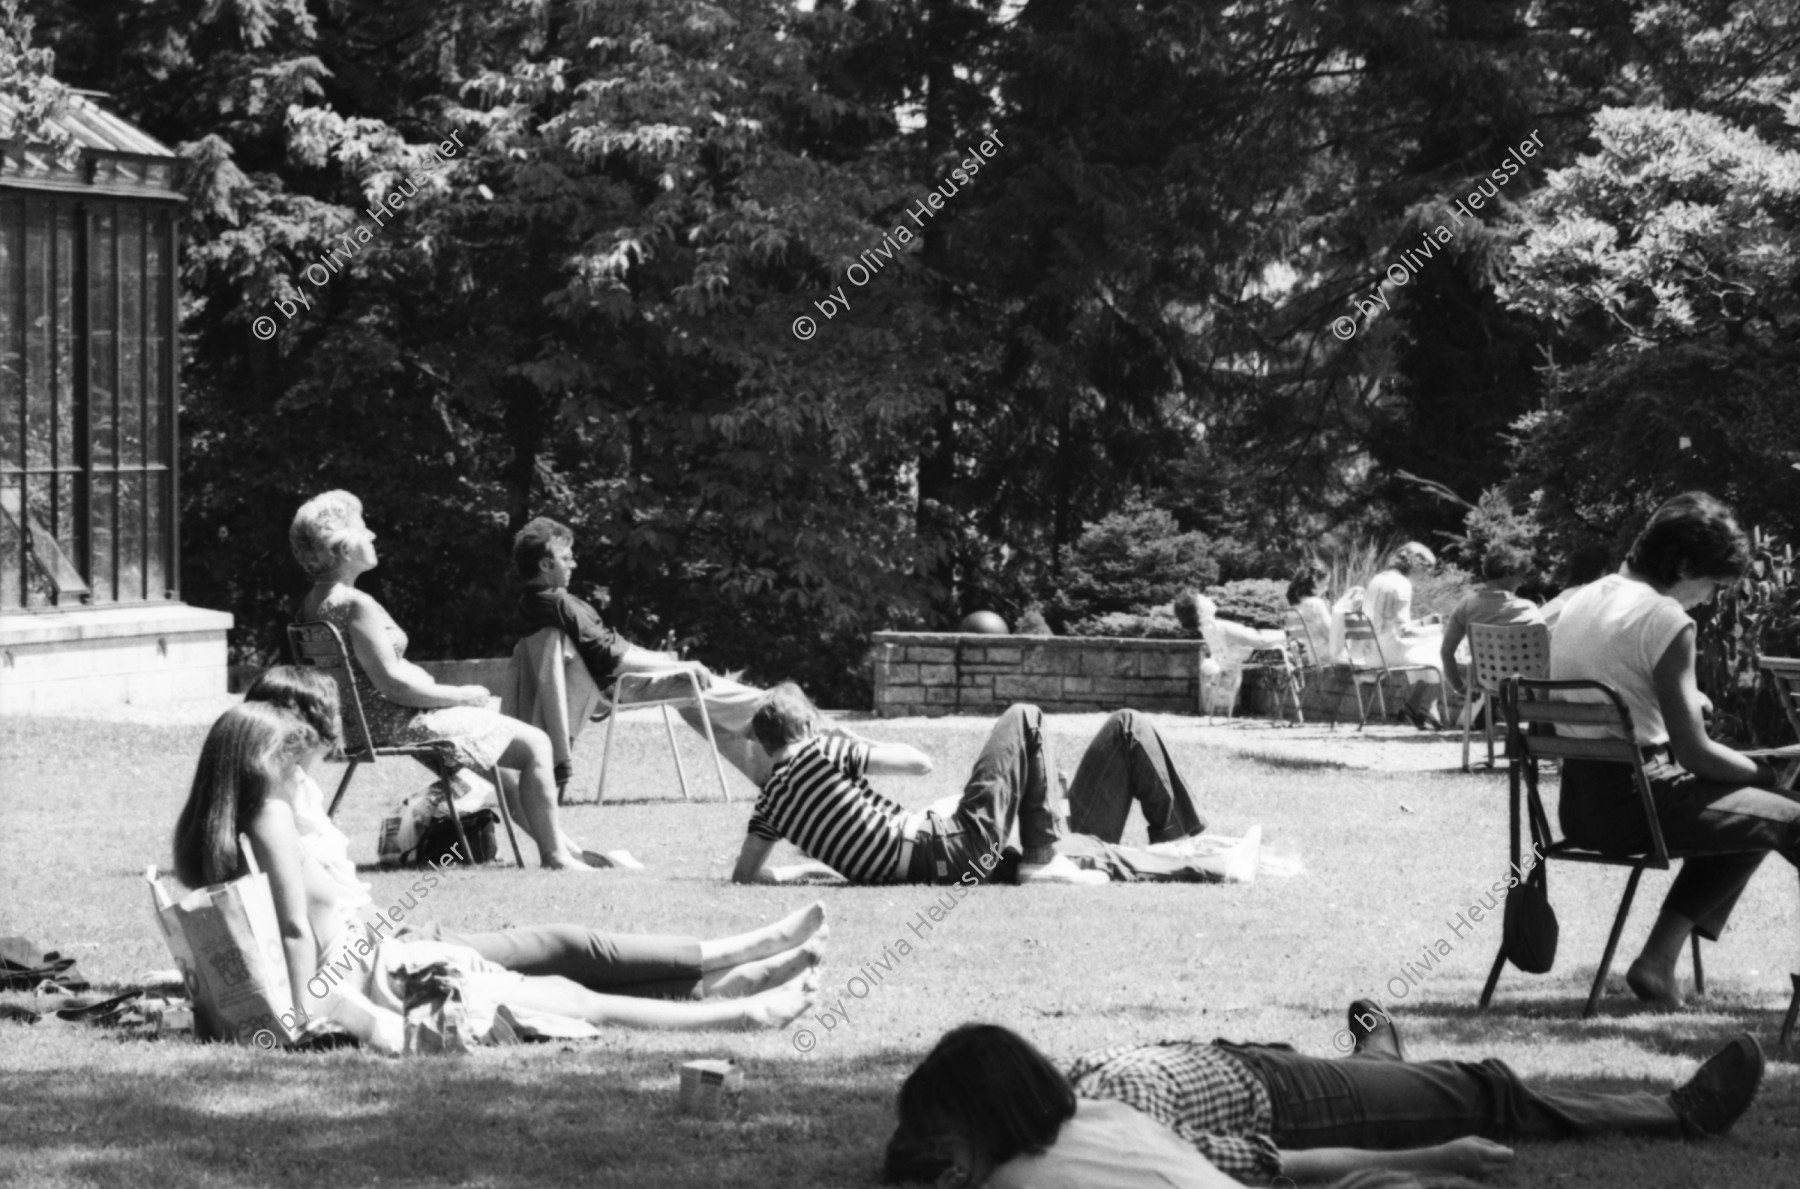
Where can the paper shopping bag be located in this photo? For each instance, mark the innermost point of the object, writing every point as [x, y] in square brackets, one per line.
[227, 944]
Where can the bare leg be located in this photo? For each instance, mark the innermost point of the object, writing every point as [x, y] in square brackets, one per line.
[735, 982]
[784, 934]
[530, 754]
[559, 996]
[1652, 976]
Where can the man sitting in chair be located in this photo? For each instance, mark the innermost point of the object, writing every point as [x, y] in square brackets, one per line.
[544, 553]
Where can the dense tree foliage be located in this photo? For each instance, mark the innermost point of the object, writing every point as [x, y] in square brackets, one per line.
[1153, 226]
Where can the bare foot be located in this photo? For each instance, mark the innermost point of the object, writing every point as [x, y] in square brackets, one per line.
[564, 861]
[778, 1007]
[1653, 986]
[754, 977]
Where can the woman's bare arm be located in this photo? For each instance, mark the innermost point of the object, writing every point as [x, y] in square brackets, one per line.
[398, 679]
[1678, 696]
[275, 841]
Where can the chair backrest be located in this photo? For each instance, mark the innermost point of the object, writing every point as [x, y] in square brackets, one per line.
[1306, 650]
[1499, 651]
[1785, 674]
[1533, 712]
[1359, 629]
[321, 646]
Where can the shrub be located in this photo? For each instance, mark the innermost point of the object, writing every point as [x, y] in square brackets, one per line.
[1254, 602]
[1032, 622]
[1761, 617]
[1159, 623]
[1132, 560]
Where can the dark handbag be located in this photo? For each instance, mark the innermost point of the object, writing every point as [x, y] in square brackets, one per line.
[439, 845]
[1530, 925]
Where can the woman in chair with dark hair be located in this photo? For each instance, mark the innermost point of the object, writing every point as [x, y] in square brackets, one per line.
[1631, 630]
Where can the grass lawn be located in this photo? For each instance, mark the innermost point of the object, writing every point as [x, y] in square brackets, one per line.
[1394, 846]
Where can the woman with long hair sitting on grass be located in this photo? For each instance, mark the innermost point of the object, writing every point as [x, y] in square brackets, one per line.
[252, 780]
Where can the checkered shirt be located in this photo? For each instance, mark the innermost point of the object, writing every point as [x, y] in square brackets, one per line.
[1203, 1094]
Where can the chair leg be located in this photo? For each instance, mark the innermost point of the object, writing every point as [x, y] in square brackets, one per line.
[712, 744]
[462, 839]
[1612, 943]
[1493, 978]
[674, 750]
[1468, 724]
[1362, 713]
[1699, 970]
[1793, 1014]
[612, 720]
[1381, 696]
[343, 785]
[1487, 725]
[505, 814]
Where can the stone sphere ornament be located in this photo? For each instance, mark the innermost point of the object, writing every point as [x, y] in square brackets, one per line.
[984, 623]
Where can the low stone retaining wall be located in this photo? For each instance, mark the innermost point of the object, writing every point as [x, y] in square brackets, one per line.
[938, 673]
[930, 673]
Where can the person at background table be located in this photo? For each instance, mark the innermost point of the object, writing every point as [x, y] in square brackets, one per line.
[986, 1108]
[1589, 563]
[346, 964]
[1306, 595]
[1504, 565]
[405, 705]
[1404, 640]
[1631, 630]
[544, 555]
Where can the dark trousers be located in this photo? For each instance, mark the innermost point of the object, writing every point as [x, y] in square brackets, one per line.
[1600, 808]
[646, 966]
[1126, 763]
[1370, 1101]
[1009, 784]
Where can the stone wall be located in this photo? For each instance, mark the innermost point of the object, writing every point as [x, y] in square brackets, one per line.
[69, 661]
[925, 673]
[932, 674]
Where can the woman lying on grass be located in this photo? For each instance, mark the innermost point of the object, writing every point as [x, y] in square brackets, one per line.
[252, 780]
[987, 1108]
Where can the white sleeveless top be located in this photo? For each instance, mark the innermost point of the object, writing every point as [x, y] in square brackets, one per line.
[1616, 630]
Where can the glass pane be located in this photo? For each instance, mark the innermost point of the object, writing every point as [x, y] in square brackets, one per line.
[67, 523]
[45, 565]
[12, 332]
[38, 412]
[103, 294]
[12, 546]
[131, 538]
[64, 380]
[100, 529]
[157, 351]
[156, 529]
[131, 336]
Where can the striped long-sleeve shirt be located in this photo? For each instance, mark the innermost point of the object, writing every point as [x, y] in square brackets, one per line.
[818, 800]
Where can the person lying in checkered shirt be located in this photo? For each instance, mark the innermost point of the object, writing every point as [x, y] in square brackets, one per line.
[986, 1108]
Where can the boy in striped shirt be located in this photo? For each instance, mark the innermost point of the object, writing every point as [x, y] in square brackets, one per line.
[818, 797]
